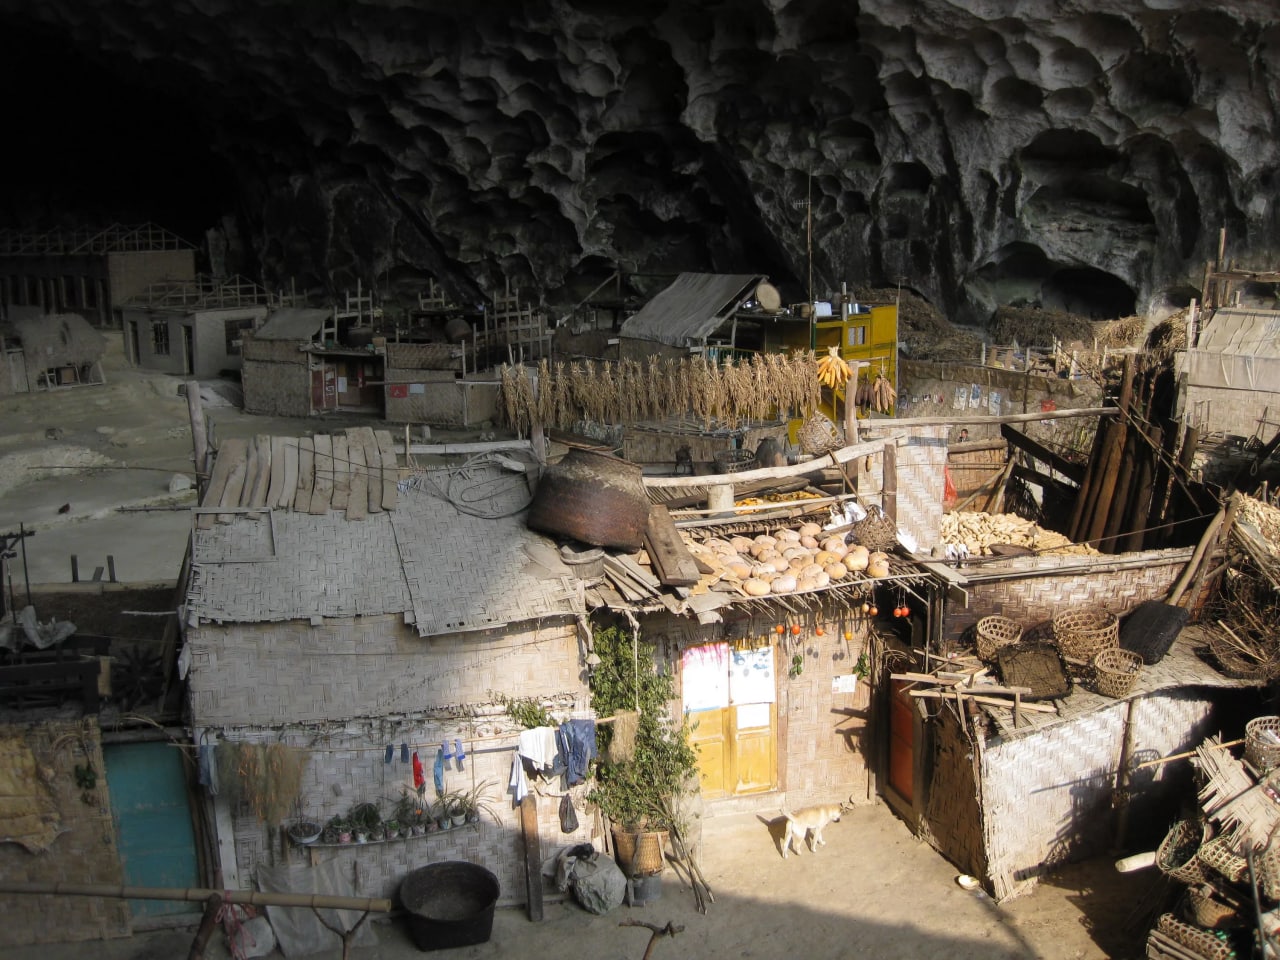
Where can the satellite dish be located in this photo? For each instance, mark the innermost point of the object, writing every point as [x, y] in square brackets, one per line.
[768, 298]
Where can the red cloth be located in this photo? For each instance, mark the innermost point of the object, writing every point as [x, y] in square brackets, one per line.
[948, 487]
[419, 778]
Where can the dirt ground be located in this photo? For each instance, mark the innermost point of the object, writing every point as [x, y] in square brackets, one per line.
[872, 891]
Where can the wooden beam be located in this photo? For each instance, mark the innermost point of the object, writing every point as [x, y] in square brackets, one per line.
[1072, 471]
[832, 459]
[672, 560]
[306, 474]
[889, 482]
[532, 855]
[358, 497]
[896, 422]
[322, 489]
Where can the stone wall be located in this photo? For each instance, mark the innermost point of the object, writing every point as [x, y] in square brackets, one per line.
[84, 850]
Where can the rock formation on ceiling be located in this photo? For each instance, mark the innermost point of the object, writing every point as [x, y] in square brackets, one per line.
[1078, 154]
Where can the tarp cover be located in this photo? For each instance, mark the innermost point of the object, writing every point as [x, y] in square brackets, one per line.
[28, 813]
[297, 930]
[1238, 350]
[690, 310]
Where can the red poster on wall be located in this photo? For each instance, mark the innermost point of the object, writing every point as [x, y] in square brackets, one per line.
[397, 391]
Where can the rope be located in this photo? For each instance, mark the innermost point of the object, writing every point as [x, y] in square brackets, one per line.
[481, 487]
[229, 918]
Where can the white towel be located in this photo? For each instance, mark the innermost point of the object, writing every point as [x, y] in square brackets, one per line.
[519, 783]
[539, 746]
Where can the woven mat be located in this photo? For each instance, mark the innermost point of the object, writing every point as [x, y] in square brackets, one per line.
[1034, 665]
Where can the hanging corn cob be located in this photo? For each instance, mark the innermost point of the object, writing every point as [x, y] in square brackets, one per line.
[833, 371]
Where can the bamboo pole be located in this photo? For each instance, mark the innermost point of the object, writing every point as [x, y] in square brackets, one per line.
[255, 897]
[1142, 491]
[1210, 536]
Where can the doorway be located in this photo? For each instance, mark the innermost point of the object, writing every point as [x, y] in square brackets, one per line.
[731, 697]
[188, 350]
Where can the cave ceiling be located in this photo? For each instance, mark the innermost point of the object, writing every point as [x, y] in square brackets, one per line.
[1077, 154]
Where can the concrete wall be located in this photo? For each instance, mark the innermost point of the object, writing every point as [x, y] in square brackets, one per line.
[83, 852]
[345, 689]
[210, 336]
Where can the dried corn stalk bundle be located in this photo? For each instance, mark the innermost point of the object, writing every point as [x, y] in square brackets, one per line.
[976, 532]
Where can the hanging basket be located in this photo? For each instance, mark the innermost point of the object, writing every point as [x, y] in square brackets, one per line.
[992, 633]
[1262, 743]
[1179, 853]
[875, 531]
[1115, 670]
[819, 435]
[1082, 635]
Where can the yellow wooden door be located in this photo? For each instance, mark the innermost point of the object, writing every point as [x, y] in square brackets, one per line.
[755, 747]
[708, 738]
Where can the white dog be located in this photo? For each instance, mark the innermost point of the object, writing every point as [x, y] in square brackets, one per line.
[808, 822]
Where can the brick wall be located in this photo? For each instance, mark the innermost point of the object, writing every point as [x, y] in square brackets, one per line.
[84, 851]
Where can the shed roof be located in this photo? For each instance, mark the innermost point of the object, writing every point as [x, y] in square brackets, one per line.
[1238, 350]
[691, 308]
[294, 323]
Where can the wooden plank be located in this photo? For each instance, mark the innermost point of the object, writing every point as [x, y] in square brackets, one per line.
[672, 560]
[988, 701]
[236, 450]
[532, 855]
[1072, 471]
[832, 459]
[323, 487]
[258, 496]
[341, 472]
[213, 494]
[250, 472]
[373, 466]
[289, 489]
[306, 474]
[277, 472]
[357, 501]
[390, 471]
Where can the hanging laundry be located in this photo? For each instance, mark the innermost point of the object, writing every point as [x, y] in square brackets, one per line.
[404, 753]
[458, 752]
[437, 771]
[579, 740]
[389, 753]
[419, 778]
[519, 783]
[539, 747]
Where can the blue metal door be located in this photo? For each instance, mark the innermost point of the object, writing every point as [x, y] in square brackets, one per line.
[153, 822]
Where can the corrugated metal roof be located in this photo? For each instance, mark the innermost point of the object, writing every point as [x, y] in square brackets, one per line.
[1244, 330]
[688, 311]
[294, 323]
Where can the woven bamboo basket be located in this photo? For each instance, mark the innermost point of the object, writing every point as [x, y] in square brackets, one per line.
[992, 633]
[1179, 853]
[1266, 864]
[875, 531]
[1115, 670]
[1200, 907]
[734, 461]
[1080, 635]
[1197, 941]
[1219, 856]
[1262, 743]
[640, 853]
[819, 434]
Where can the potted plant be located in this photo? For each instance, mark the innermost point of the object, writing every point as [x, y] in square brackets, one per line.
[640, 794]
[474, 802]
[440, 811]
[333, 829]
[366, 821]
[303, 831]
[407, 813]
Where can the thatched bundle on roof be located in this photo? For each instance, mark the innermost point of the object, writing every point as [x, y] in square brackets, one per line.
[57, 340]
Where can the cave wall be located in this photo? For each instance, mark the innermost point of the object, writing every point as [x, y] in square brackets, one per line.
[1081, 155]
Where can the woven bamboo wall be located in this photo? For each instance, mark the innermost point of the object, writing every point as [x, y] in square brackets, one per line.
[921, 463]
[952, 820]
[280, 673]
[1046, 798]
[424, 356]
[273, 351]
[276, 389]
[348, 767]
[1066, 583]
[84, 852]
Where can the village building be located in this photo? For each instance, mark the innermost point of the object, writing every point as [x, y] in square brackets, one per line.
[46, 351]
[195, 327]
[89, 271]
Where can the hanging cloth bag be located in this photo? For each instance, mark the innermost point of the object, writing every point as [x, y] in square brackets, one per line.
[568, 815]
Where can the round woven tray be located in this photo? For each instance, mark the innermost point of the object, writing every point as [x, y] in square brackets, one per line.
[1179, 852]
[1080, 635]
[1115, 670]
[735, 461]
[992, 633]
[1262, 743]
[819, 435]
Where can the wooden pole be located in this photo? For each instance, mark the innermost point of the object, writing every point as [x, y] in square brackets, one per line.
[1087, 486]
[889, 486]
[199, 440]
[1160, 484]
[1142, 491]
[1115, 452]
[1118, 512]
[1197, 557]
[532, 855]
[208, 923]
[255, 897]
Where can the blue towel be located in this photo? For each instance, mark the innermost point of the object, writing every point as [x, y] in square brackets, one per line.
[437, 770]
[578, 741]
